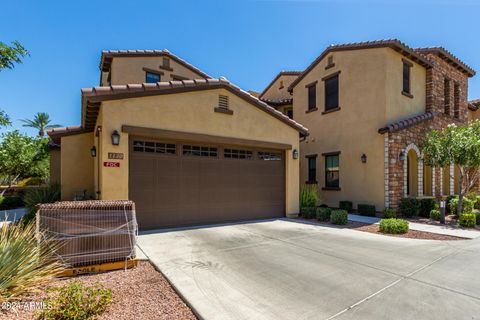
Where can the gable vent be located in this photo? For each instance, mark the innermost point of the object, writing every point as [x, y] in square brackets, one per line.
[223, 102]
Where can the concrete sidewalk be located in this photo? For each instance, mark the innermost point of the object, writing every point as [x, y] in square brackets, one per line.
[287, 269]
[444, 229]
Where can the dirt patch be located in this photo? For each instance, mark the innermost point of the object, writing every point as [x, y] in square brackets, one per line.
[414, 234]
[374, 228]
[138, 293]
[450, 221]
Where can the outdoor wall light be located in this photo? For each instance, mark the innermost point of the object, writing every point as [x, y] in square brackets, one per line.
[93, 152]
[115, 138]
[401, 156]
[363, 158]
[295, 154]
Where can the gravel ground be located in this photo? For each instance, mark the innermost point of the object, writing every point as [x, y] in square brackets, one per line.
[374, 228]
[138, 293]
[450, 220]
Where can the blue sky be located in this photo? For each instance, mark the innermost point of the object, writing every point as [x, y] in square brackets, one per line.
[248, 42]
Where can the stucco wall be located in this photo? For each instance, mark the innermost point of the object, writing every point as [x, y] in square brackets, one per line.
[55, 165]
[76, 165]
[399, 106]
[276, 91]
[473, 115]
[363, 87]
[191, 112]
[125, 70]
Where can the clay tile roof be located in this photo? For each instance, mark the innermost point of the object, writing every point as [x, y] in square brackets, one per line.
[474, 105]
[449, 57]
[403, 124]
[278, 102]
[395, 44]
[91, 97]
[108, 55]
[281, 73]
[56, 133]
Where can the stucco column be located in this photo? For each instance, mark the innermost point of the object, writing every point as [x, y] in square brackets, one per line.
[452, 180]
[420, 177]
[433, 181]
[385, 169]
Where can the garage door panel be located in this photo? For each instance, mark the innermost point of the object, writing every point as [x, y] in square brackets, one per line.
[172, 190]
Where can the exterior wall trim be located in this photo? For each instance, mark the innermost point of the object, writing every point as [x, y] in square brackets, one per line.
[188, 136]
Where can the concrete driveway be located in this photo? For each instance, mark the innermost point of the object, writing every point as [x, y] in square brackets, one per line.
[282, 269]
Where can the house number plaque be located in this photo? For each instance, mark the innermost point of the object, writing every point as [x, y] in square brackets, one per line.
[115, 155]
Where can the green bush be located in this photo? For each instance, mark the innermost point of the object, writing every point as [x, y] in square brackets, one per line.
[339, 217]
[308, 212]
[477, 217]
[35, 196]
[449, 199]
[389, 213]
[476, 202]
[7, 203]
[408, 207]
[76, 301]
[308, 195]
[31, 181]
[345, 205]
[426, 205]
[394, 226]
[366, 209]
[467, 205]
[26, 262]
[323, 214]
[467, 220]
[435, 215]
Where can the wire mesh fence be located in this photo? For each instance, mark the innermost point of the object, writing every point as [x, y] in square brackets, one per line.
[90, 232]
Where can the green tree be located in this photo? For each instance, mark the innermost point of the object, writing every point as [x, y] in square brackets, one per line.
[4, 119]
[458, 145]
[9, 55]
[22, 156]
[41, 122]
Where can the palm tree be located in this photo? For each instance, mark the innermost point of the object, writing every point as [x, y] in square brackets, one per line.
[4, 119]
[41, 121]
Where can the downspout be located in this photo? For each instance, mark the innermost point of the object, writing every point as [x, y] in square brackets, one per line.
[99, 136]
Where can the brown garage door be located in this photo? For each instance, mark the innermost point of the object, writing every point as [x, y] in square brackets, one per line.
[176, 183]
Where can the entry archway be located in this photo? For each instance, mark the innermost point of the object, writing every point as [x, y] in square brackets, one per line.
[413, 172]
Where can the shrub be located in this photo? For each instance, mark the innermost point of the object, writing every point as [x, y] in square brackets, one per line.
[467, 220]
[26, 263]
[389, 213]
[308, 195]
[394, 226]
[76, 301]
[7, 203]
[345, 205]
[467, 205]
[33, 197]
[308, 212]
[31, 181]
[426, 206]
[366, 209]
[408, 207]
[449, 199]
[323, 214]
[477, 217]
[476, 202]
[435, 215]
[339, 217]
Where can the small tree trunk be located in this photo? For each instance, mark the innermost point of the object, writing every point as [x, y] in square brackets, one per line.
[460, 196]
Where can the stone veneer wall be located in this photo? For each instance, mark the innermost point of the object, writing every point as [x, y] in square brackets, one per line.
[435, 97]
[398, 141]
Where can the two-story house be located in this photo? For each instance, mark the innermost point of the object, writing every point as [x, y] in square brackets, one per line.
[368, 106]
[185, 147]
